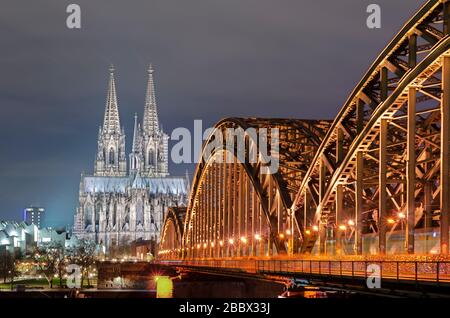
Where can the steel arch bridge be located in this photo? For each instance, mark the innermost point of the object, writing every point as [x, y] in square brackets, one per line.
[379, 171]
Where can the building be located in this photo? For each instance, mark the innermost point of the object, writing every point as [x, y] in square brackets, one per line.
[34, 215]
[122, 203]
[22, 238]
[143, 250]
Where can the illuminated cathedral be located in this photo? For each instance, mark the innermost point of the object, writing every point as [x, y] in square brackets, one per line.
[125, 200]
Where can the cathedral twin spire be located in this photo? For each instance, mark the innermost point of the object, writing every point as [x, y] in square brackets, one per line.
[151, 122]
[111, 122]
[149, 155]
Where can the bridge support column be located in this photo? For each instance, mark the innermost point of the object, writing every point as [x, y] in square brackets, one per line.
[411, 172]
[359, 202]
[322, 229]
[382, 201]
[241, 212]
[322, 238]
[253, 221]
[230, 211]
[428, 197]
[339, 234]
[445, 154]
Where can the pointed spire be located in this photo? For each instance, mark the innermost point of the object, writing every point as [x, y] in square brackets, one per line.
[188, 181]
[136, 135]
[111, 122]
[151, 122]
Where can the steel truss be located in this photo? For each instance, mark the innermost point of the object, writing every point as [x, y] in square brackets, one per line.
[385, 156]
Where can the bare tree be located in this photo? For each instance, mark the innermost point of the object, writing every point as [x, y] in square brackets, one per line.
[8, 267]
[50, 260]
[83, 254]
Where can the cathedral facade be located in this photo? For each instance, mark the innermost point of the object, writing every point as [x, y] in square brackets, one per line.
[125, 200]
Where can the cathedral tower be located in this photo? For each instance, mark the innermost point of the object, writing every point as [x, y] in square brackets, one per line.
[116, 206]
[136, 157]
[154, 140]
[111, 159]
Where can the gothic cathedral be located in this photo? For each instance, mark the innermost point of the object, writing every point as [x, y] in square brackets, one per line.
[120, 204]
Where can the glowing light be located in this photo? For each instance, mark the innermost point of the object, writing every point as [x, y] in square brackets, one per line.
[205, 245]
[244, 240]
[164, 287]
[212, 244]
[281, 235]
[288, 232]
[351, 223]
[221, 243]
[315, 228]
[257, 237]
[390, 221]
[198, 246]
[342, 227]
[308, 232]
[401, 215]
[231, 241]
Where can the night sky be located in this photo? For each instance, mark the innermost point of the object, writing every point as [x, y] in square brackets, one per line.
[212, 59]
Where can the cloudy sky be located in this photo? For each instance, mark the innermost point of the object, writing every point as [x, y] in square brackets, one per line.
[213, 59]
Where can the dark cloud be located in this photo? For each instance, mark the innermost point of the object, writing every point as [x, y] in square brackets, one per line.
[214, 58]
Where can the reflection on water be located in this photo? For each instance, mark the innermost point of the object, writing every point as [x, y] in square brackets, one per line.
[209, 286]
[314, 292]
[302, 288]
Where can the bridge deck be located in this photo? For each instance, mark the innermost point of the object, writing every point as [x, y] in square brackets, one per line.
[417, 271]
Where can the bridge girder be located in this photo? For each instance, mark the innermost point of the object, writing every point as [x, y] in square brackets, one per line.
[390, 155]
[242, 210]
[382, 164]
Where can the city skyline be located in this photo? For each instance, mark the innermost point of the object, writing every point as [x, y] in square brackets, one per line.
[53, 92]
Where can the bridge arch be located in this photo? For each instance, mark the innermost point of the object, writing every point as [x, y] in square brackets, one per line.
[382, 165]
[172, 233]
[236, 210]
[378, 166]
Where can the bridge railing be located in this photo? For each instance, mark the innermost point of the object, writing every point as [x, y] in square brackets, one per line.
[433, 271]
[420, 271]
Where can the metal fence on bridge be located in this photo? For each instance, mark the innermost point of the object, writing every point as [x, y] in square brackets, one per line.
[419, 271]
